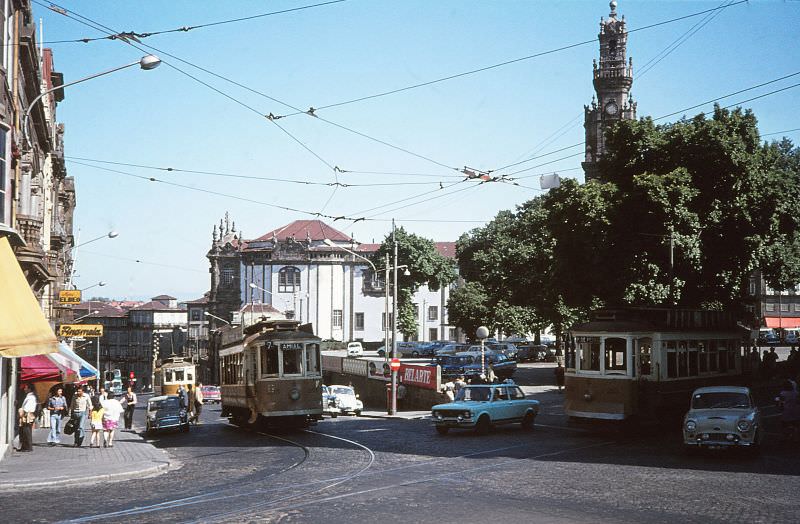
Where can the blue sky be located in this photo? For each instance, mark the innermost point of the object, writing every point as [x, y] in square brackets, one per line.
[325, 55]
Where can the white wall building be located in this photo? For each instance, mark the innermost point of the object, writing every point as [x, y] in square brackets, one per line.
[307, 270]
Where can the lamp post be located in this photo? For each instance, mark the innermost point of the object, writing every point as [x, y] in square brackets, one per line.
[206, 313]
[483, 333]
[101, 284]
[110, 234]
[147, 62]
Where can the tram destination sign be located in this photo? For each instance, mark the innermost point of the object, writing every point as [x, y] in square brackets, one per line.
[80, 330]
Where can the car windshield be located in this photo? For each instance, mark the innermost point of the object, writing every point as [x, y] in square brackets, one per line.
[720, 400]
[167, 403]
[342, 390]
[478, 393]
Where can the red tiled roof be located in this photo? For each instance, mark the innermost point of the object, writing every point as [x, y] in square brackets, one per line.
[302, 229]
[368, 248]
[259, 308]
[157, 306]
[446, 249]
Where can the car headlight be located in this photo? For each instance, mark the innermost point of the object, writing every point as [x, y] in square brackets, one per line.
[437, 415]
[691, 425]
[467, 414]
[743, 425]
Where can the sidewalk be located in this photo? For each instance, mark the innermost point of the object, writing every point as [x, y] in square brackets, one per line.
[131, 457]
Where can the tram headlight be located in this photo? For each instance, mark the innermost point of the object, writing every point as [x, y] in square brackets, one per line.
[691, 425]
[294, 394]
[743, 425]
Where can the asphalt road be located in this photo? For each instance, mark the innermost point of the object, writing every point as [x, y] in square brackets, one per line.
[368, 470]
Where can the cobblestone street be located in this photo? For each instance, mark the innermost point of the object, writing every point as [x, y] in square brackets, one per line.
[353, 469]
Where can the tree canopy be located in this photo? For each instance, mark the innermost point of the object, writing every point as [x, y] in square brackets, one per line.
[703, 192]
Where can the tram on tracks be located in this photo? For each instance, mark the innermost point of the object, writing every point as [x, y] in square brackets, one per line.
[172, 372]
[271, 374]
[644, 363]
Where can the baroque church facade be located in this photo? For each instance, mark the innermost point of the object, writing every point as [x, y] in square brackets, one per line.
[314, 273]
[612, 79]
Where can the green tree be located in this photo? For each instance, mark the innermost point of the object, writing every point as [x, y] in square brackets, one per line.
[426, 267]
[468, 308]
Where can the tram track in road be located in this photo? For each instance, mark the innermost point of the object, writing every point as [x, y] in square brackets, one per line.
[202, 498]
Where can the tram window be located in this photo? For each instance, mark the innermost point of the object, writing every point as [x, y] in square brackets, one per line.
[292, 361]
[616, 354]
[189, 377]
[645, 355]
[589, 348]
[703, 349]
[269, 360]
[178, 375]
[312, 359]
[167, 377]
[712, 356]
[672, 364]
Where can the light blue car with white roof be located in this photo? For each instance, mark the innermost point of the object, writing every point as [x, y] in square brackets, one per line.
[482, 406]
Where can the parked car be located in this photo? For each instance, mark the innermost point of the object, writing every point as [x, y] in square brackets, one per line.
[502, 366]
[453, 365]
[165, 412]
[211, 394]
[346, 400]
[329, 403]
[791, 338]
[354, 349]
[722, 417]
[532, 352]
[450, 349]
[507, 348]
[481, 407]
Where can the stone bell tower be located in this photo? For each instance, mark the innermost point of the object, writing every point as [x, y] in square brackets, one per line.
[613, 78]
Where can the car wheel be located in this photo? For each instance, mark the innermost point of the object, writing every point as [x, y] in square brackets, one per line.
[483, 425]
[527, 420]
[442, 430]
[415, 354]
[357, 413]
[334, 415]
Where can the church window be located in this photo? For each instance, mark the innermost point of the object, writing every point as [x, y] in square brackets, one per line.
[226, 276]
[289, 280]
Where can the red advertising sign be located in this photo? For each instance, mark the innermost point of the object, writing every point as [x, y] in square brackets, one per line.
[426, 377]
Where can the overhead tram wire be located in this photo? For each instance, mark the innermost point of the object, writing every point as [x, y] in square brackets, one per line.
[139, 261]
[780, 132]
[648, 66]
[79, 160]
[136, 36]
[507, 62]
[272, 118]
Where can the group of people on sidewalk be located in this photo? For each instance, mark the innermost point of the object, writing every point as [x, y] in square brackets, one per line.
[69, 416]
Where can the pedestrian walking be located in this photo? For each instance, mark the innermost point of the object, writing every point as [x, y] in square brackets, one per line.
[191, 396]
[458, 384]
[112, 409]
[102, 394]
[181, 395]
[789, 404]
[448, 389]
[96, 422]
[57, 407]
[27, 416]
[559, 373]
[130, 406]
[198, 402]
[80, 407]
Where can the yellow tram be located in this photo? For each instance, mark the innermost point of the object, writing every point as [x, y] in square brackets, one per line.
[645, 362]
[172, 372]
[271, 374]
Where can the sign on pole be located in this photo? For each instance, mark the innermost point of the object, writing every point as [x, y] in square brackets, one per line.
[80, 330]
[69, 296]
[395, 364]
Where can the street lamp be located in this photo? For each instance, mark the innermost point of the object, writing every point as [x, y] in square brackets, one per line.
[87, 315]
[483, 333]
[330, 243]
[147, 62]
[110, 234]
[101, 284]
[206, 313]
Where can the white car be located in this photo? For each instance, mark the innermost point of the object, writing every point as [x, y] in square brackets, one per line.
[346, 400]
[354, 349]
[722, 417]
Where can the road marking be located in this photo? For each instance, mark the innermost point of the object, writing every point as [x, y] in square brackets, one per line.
[369, 430]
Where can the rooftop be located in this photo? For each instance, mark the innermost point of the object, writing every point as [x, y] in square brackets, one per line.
[305, 229]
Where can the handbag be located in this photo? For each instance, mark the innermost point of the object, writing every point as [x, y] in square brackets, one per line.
[70, 426]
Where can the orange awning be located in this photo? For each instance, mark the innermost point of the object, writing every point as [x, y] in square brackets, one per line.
[24, 330]
[782, 322]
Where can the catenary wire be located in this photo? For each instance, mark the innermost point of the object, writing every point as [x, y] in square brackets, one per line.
[245, 177]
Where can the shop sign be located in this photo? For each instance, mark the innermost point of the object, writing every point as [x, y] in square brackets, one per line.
[69, 296]
[80, 330]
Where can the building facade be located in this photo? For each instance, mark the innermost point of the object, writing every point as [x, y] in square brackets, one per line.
[316, 274]
[612, 79]
[37, 198]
